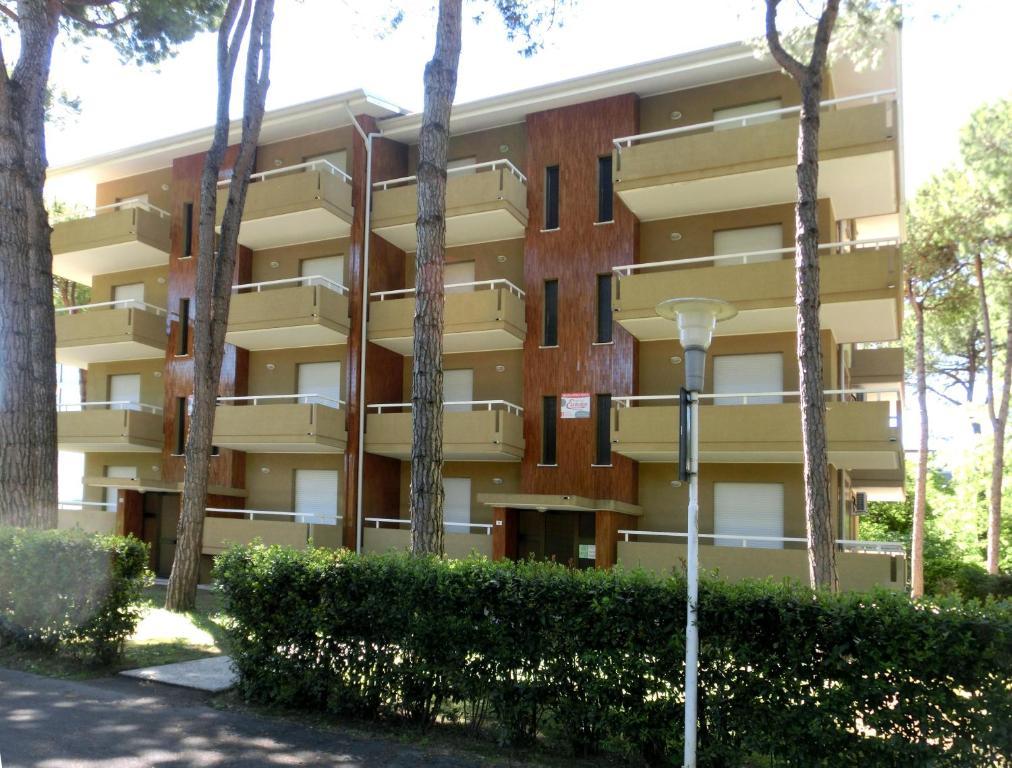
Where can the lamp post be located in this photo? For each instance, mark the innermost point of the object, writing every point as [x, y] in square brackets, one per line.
[696, 320]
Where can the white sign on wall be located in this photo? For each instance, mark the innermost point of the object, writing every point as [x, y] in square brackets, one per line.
[575, 405]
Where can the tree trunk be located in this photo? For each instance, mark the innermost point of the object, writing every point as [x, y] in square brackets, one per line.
[818, 512]
[215, 270]
[921, 483]
[28, 454]
[426, 492]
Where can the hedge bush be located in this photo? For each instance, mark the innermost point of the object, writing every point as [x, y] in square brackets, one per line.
[788, 676]
[70, 590]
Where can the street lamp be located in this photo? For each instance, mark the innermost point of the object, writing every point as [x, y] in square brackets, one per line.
[696, 320]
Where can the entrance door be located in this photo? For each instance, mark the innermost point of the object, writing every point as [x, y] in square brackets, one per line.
[748, 509]
[458, 387]
[323, 379]
[748, 373]
[124, 388]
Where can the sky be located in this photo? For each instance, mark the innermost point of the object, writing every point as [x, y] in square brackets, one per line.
[322, 47]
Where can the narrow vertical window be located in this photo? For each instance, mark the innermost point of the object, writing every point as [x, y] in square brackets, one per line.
[552, 197]
[187, 229]
[603, 309]
[549, 408]
[602, 451]
[180, 435]
[183, 337]
[604, 189]
[551, 329]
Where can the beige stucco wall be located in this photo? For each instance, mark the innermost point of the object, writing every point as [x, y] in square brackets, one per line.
[284, 379]
[131, 186]
[294, 151]
[486, 261]
[457, 545]
[152, 387]
[484, 146]
[155, 279]
[489, 384]
[482, 475]
[288, 259]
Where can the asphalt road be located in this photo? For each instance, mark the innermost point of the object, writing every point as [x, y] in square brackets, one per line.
[121, 723]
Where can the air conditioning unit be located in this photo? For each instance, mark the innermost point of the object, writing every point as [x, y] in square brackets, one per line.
[860, 503]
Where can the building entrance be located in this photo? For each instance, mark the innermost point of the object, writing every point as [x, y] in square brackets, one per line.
[565, 536]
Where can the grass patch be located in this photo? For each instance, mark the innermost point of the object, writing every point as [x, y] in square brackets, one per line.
[161, 637]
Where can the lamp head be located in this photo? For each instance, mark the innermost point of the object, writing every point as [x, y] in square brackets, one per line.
[696, 320]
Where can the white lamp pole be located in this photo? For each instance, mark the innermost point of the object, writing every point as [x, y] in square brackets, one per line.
[696, 320]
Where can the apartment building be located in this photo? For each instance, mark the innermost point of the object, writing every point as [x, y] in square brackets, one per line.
[572, 210]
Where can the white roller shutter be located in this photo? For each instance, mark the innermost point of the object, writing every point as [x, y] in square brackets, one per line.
[748, 509]
[124, 388]
[748, 240]
[456, 272]
[330, 267]
[131, 292]
[745, 110]
[337, 159]
[458, 386]
[461, 162]
[748, 373]
[457, 503]
[323, 379]
[316, 495]
[111, 494]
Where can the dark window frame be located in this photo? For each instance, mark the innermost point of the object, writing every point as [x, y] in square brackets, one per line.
[550, 319]
[605, 332]
[605, 191]
[183, 329]
[187, 230]
[180, 431]
[549, 430]
[553, 178]
[602, 431]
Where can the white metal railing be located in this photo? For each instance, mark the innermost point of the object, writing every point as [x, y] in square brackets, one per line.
[112, 405]
[80, 505]
[489, 405]
[376, 521]
[324, 166]
[490, 284]
[743, 120]
[298, 517]
[120, 303]
[847, 545]
[848, 245]
[308, 280]
[854, 394]
[124, 205]
[307, 399]
[474, 168]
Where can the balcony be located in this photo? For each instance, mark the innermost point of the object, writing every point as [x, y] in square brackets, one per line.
[484, 203]
[461, 540]
[877, 367]
[281, 314]
[861, 565]
[297, 204]
[108, 332]
[861, 291]
[861, 435]
[489, 317]
[304, 423]
[701, 168]
[109, 427]
[490, 430]
[87, 516]
[224, 527]
[115, 238]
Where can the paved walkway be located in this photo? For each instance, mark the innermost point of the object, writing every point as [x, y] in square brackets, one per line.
[213, 674]
[120, 723]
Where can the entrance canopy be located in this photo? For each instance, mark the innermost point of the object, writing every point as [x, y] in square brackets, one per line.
[544, 502]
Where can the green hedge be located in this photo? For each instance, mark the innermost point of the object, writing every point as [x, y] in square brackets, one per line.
[593, 659]
[70, 590]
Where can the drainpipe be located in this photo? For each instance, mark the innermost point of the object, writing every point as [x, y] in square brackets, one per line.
[367, 138]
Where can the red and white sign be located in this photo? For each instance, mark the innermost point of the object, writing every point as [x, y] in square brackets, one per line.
[575, 405]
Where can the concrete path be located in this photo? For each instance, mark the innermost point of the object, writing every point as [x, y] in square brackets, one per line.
[122, 723]
[213, 674]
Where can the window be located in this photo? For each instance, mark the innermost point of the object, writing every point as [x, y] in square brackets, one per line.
[458, 387]
[748, 509]
[744, 110]
[457, 503]
[321, 379]
[316, 496]
[550, 336]
[548, 413]
[604, 190]
[552, 197]
[180, 447]
[124, 388]
[734, 374]
[457, 272]
[187, 229]
[602, 453]
[183, 337]
[330, 267]
[748, 240]
[134, 292]
[604, 323]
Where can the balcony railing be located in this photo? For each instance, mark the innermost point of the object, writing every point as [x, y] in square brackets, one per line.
[308, 399]
[482, 405]
[323, 166]
[78, 506]
[119, 304]
[288, 282]
[110, 405]
[743, 121]
[376, 522]
[744, 540]
[845, 246]
[124, 205]
[490, 284]
[464, 169]
[299, 517]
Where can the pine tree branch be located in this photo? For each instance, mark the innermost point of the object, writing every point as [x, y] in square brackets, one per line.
[8, 12]
[792, 66]
[823, 31]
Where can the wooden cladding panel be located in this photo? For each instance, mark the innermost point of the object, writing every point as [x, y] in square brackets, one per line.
[576, 253]
[229, 468]
[382, 476]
